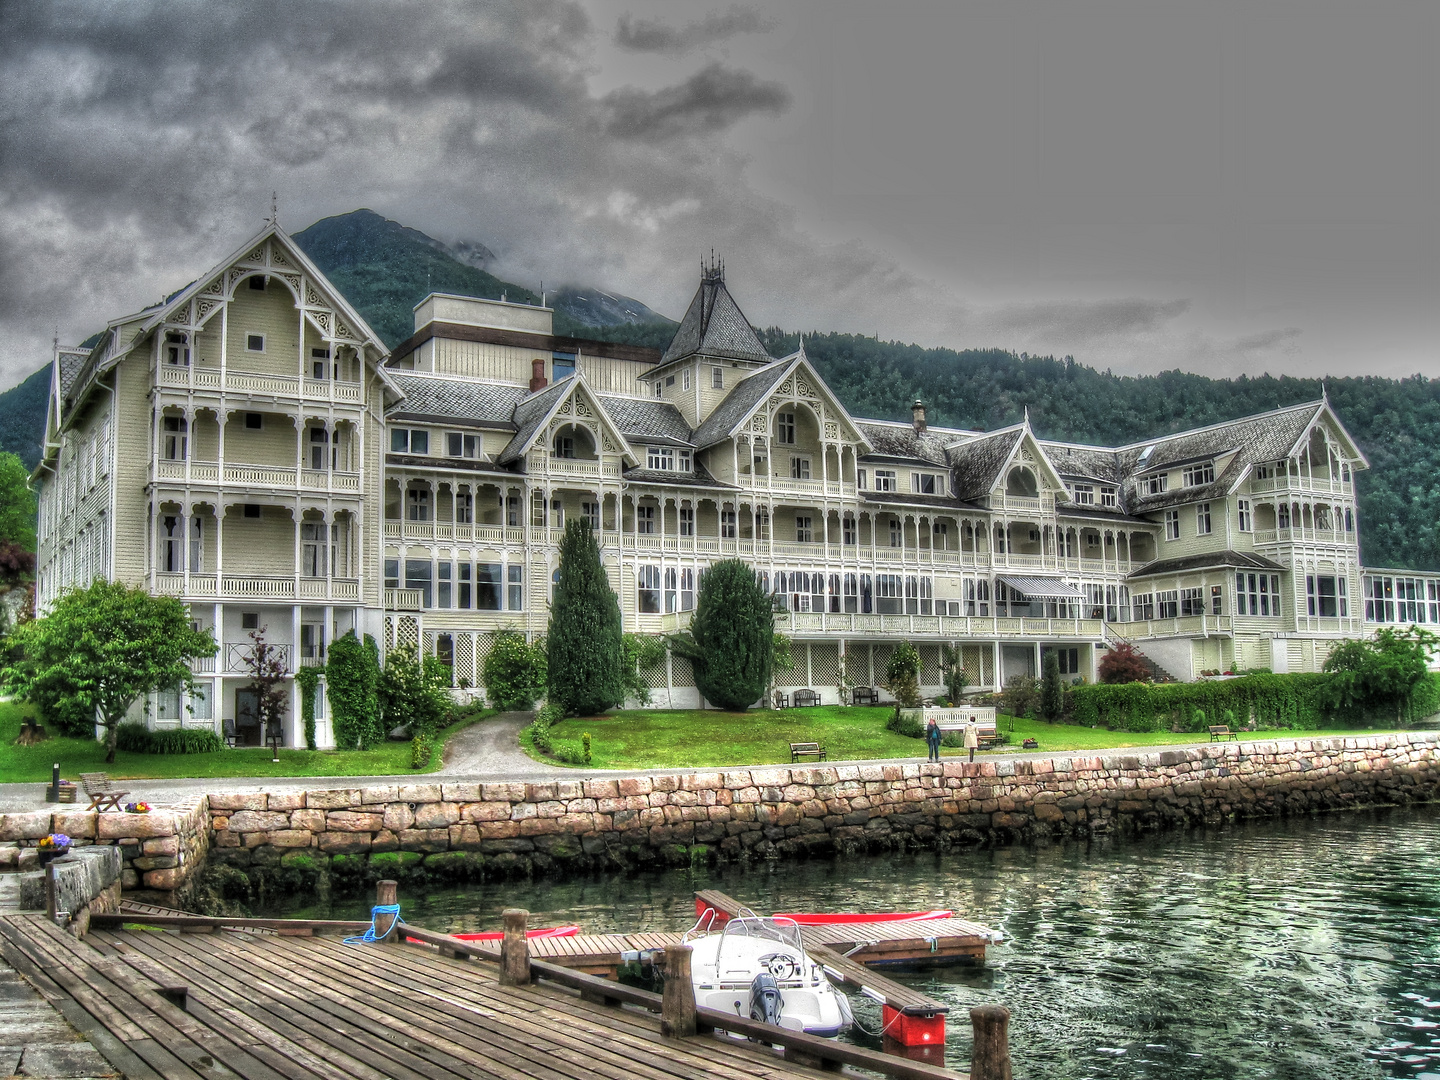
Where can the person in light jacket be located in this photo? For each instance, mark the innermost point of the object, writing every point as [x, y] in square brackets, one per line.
[972, 738]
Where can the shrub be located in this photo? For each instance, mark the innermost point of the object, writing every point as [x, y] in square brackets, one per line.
[1021, 695]
[902, 678]
[585, 740]
[1123, 664]
[584, 653]
[952, 666]
[1274, 701]
[308, 679]
[906, 724]
[731, 641]
[352, 678]
[515, 671]
[539, 729]
[138, 739]
[1052, 695]
[422, 748]
[639, 653]
[1379, 676]
[414, 691]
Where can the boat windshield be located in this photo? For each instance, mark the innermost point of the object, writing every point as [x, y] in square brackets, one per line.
[770, 928]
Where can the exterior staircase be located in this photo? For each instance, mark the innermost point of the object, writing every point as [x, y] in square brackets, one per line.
[1157, 673]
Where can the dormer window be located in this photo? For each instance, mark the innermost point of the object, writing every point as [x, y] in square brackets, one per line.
[926, 484]
[1083, 494]
[1195, 475]
[667, 459]
[1109, 497]
[1154, 485]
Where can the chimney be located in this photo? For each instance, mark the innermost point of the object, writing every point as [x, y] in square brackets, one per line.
[917, 411]
[537, 374]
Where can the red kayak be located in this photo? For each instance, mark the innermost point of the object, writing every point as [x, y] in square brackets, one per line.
[837, 918]
[497, 935]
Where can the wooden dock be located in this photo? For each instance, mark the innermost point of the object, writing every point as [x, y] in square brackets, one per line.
[288, 1002]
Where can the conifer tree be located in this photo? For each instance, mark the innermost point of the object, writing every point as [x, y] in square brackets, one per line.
[1052, 694]
[583, 645]
[731, 642]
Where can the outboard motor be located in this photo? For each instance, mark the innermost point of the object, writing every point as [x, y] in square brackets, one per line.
[765, 1003]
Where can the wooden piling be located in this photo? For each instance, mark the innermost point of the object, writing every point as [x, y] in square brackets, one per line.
[52, 903]
[515, 949]
[385, 896]
[990, 1054]
[677, 1009]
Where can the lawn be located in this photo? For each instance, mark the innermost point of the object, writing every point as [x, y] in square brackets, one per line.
[32, 763]
[677, 738]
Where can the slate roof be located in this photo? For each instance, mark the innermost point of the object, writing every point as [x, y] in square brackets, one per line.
[906, 498]
[701, 478]
[427, 398]
[71, 361]
[738, 404]
[530, 414]
[1208, 561]
[1099, 513]
[1083, 462]
[976, 464]
[715, 326]
[647, 421]
[903, 442]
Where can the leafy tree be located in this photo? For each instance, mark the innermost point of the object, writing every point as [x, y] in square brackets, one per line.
[352, 677]
[16, 564]
[1382, 673]
[585, 654]
[902, 677]
[731, 640]
[952, 666]
[413, 691]
[514, 671]
[1052, 694]
[265, 664]
[17, 504]
[1021, 695]
[637, 653]
[1123, 664]
[102, 648]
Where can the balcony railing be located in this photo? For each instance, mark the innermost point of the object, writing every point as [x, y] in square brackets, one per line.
[1303, 536]
[253, 586]
[238, 655]
[242, 475]
[403, 599]
[1186, 625]
[1322, 485]
[801, 622]
[208, 378]
[542, 463]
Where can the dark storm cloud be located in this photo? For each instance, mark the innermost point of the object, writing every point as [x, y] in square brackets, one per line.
[1087, 321]
[1270, 339]
[711, 100]
[652, 35]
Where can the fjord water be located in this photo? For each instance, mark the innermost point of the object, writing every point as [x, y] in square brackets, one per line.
[1300, 949]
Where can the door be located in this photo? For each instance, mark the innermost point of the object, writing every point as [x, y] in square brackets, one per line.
[247, 722]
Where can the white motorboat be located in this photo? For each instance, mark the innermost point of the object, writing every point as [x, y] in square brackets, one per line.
[757, 967]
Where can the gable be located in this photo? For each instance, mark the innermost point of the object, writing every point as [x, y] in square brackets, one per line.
[568, 403]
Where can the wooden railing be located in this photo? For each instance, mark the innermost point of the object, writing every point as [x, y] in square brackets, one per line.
[196, 377]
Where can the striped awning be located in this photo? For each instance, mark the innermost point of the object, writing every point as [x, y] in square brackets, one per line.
[1043, 588]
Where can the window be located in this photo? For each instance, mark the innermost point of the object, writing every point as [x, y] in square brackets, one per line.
[799, 468]
[562, 365]
[511, 506]
[940, 536]
[417, 502]
[592, 511]
[852, 593]
[252, 510]
[685, 379]
[313, 549]
[177, 350]
[885, 480]
[444, 583]
[897, 533]
[257, 283]
[488, 583]
[403, 440]
[319, 363]
[419, 442]
[1068, 660]
[762, 525]
[1325, 596]
[717, 378]
[445, 653]
[687, 521]
[463, 599]
[923, 483]
[1349, 520]
[319, 439]
[1195, 475]
[669, 380]
[1167, 604]
[1192, 602]
[659, 388]
[167, 703]
[860, 478]
[175, 438]
[517, 587]
[847, 530]
[1109, 498]
[417, 577]
[649, 581]
[1246, 521]
[1172, 524]
[889, 594]
[1282, 516]
[254, 421]
[249, 620]
[1142, 607]
[866, 595]
[1084, 494]
[460, 445]
[1202, 519]
[254, 342]
[727, 524]
[927, 600]
[464, 506]
[1156, 483]
[197, 544]
[660, 457]
[672, 589]
[1216, 603]
[645, 519]
[785, 428]
[687, 590]
[804, 534]
[1257, 594]
[172, 551]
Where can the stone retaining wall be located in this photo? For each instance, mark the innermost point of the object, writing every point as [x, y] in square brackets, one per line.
[484, 830]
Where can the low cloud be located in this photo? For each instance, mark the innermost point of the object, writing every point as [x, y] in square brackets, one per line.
[1083, 322]
[654, 36]
[1266, 340]
[711, 100]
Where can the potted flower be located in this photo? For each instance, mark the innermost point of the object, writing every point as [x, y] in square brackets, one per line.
[137, 808]
[52, 847]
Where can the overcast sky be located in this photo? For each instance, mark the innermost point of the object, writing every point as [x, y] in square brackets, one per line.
[1215, 185]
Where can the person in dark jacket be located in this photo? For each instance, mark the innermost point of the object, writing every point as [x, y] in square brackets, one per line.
[932, 737]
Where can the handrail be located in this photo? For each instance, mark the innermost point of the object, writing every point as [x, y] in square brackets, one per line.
[220, 922]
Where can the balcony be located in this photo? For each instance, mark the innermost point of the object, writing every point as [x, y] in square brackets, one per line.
[476, 534]
[251, 476]
[1185, 625]
[542, 463]
[1330, 537]
[1321, 485]
[948, 626]
[403, 599]
[243, 382]
[257, 587]
[237, 656]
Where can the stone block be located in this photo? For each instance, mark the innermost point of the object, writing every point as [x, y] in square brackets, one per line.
[338, 799]
[551, 808]
[502, 792]
[635, 785]
[162, 845]
[343, 843]
[666, 783]
[243, 821]
[164, 880]
[286, 800]
[536, 793]
[499, 830]
[399, 816]
[310, 820]
[27, 826]
[257, 800]
[227, 839]
[76, 824]
[354, 821]
[521, 811]
[115, 826]
[378, 796]
[770, 778]
[569, 789]
[437, 815]
[704, 781]
[420, 793]
[291, 838]
[602, 789]
[155, 862]
[540, 827]
[736, 779]
[9, 854]
[428, 840]
[460, 793]
[385, 840]
[486, 811]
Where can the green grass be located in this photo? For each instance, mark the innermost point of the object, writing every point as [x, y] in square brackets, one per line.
[677, 738]
[32, 763]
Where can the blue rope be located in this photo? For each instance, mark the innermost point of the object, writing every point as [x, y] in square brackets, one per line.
[369, 938]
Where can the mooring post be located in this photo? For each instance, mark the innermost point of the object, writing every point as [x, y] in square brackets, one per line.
[54, 794]
[385, 896]
[515, 949]
[52, 897]
[677, 1007]
[990, 1054]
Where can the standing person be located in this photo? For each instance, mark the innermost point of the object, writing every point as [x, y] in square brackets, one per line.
[932, 737]
[972, 737]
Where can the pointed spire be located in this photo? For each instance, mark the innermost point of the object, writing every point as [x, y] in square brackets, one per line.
[801, 350]
[274, 208]
[1027, 415]
[1324, 392]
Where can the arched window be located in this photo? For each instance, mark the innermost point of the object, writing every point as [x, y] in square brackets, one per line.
[1021, 481]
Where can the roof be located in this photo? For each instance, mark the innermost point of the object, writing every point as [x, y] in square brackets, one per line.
[905, 498]
[439, 398]
[70, 363]
[714, 325]
[904, 443]
[1042, 588]
[701, 478]
[1083, 462]
[741, 402]
[1100, 513]
[647, 420]
[1212, 560]
[976, 464]
[530, 414]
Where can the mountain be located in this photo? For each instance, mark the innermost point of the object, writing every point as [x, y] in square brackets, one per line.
[22, 417]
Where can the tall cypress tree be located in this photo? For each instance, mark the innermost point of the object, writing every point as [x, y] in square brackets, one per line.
[583, 642]
[731, 643]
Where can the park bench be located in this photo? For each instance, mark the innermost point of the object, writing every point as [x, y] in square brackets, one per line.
[804, 698]
[782, 700]
[101, 790]
[1221, 732]
[799, 750]
[864, 695]
[957, 718]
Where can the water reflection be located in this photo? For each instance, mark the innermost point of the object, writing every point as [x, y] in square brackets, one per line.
[1305, 949]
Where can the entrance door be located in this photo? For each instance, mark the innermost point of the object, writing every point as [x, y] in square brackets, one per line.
[247, 720]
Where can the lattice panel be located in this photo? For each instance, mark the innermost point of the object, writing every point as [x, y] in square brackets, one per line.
[972, 658]
[681, 672]
[654, 676]
[930, 665]
[824, 664]
[795, 676]
[484, 642]
[857, 664]
[879, 660]
[407, 631]
[389, 634]
[465, 659]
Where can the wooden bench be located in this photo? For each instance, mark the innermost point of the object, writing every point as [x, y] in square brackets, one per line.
[864, 695]
[805, 698]
[1221, 732]
[959, 717]
[782, 700]
[101, 790]
[800, 750]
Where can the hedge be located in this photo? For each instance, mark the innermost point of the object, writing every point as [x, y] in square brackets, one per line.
[138, 739]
